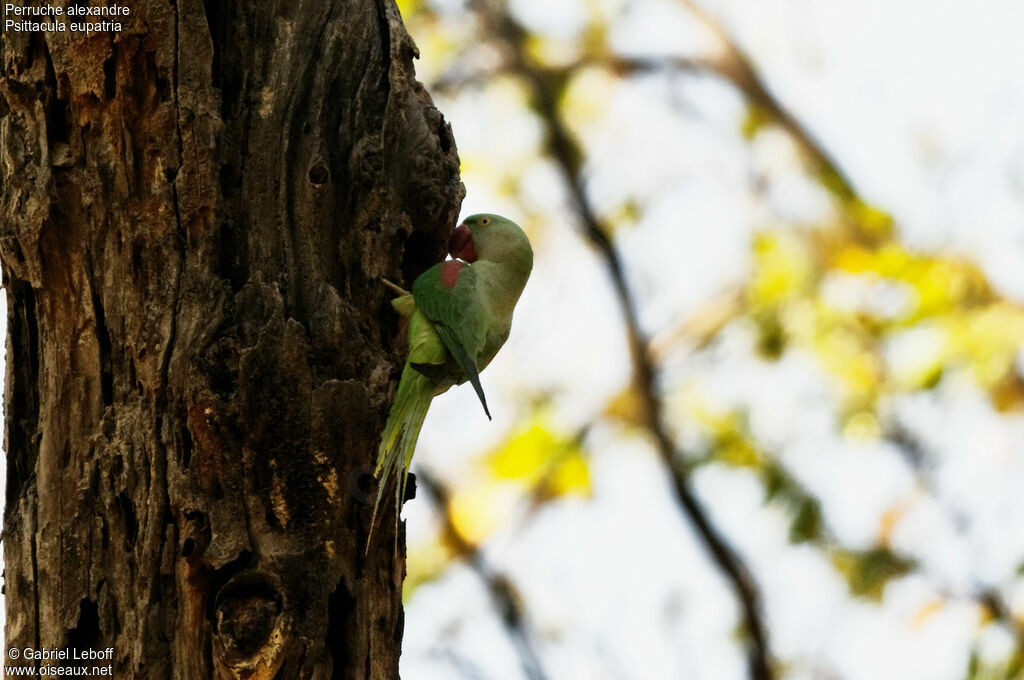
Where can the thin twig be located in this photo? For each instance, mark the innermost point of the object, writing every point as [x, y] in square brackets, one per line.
[503, 592]
[987, 596]
[545, 91]
[395, 288]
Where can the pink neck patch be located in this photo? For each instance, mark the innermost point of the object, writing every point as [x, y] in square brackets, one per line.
[450, 272]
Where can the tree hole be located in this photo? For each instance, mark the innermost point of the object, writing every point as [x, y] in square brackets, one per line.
[339, 606]
[110, 77]
[86, 633]
[247, 612]
[318, 173]
[129, 519]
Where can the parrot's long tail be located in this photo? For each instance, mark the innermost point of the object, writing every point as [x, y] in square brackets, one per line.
[415, 392]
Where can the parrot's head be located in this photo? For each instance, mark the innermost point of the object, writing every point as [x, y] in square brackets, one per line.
[491, 238]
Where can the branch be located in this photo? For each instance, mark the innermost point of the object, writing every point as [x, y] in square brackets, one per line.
[503, 592]
[734, 66]
[738, 68]
[545, 89]
[986, 596]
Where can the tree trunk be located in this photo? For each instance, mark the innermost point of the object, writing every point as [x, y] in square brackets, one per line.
[197, 213]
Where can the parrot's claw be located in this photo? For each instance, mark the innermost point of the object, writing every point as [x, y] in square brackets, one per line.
[395, 287]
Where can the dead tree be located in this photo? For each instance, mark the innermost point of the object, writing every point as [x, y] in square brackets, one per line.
[197, 212]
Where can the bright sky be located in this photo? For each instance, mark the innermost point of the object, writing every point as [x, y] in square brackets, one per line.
[921, 103]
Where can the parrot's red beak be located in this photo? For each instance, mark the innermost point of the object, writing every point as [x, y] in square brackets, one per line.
[460, 244]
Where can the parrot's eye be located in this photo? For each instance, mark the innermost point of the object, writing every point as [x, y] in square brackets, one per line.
[484, 221]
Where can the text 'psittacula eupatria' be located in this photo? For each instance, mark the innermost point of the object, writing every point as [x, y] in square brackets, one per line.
[460, 314]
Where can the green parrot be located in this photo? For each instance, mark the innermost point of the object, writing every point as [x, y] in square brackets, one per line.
[460, 314]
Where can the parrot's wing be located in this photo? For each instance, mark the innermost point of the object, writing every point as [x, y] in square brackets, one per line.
[466, 363]
[452, 303]
[426, 349]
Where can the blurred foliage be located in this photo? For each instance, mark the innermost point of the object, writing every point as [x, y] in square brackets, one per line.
[426, 561]
[867, 571]
[755, 121]
[539, 459]
[535, 464]
[852, 305]
[848, 303]
[881, 319]
[729, 442]
[979, 668]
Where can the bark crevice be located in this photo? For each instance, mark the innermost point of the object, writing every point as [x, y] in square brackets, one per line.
[197, 213]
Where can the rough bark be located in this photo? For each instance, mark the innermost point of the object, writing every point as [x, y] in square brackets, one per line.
[196, 215]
